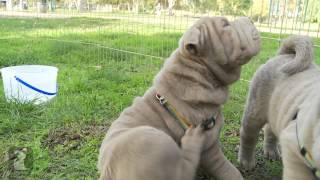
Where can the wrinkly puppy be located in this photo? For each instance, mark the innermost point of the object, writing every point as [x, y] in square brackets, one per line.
[284, 95]
[148, 141]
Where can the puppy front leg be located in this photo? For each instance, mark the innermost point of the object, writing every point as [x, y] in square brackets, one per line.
[212, 158]
[191, 147]
[216, 164]
[254, 118]
[249, 132]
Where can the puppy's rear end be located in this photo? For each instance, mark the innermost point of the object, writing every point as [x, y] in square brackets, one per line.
[294, 56]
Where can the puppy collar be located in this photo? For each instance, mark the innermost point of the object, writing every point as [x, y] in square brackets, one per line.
[307, 156]
[182, 121]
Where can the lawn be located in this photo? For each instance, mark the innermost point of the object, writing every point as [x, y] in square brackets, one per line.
[96, 81]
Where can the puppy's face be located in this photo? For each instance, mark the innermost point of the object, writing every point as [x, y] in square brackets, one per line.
[217, 39]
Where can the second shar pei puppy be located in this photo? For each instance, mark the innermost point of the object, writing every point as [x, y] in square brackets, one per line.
[285, 95]
[148, 140]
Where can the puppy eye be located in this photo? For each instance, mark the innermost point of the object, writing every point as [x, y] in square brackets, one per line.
[225, 23]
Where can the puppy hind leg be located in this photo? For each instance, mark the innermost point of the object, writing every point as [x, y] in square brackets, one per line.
[270, 144]
[144, 153]
[155, 155]
[248, 140]
[254, 118]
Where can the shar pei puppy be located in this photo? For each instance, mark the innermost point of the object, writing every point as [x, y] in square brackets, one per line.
[284, 96]
[174, 127]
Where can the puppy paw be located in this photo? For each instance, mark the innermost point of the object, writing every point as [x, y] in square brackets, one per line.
[271, 152]
[193, 138]
[247, 164]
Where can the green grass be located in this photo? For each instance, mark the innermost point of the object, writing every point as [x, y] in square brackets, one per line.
[95, 85]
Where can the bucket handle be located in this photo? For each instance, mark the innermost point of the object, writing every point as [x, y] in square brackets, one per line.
[34, 88]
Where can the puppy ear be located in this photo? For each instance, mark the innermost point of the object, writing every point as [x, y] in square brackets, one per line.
[191, 41]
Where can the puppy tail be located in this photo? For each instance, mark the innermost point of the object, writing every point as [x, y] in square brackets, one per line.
[302, 48]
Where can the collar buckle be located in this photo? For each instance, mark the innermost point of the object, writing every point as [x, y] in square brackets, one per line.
[208, 123]
[161, 99]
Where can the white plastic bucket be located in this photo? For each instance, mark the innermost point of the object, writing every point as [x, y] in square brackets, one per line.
[30, 83]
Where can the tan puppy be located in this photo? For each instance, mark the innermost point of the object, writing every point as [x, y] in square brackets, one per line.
[284, 94]
[148, 143]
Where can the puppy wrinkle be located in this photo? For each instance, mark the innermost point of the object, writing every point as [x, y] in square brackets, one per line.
[193, 79]
[187, 95]
[198, 76]
[240, 42]
[222, 68]
[203, 34]
[209, 45]
[302, 47]
[293, 100]
[251, 45]
[215, 29]
[245, 42]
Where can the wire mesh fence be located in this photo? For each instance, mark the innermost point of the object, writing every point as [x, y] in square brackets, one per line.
[117, 31]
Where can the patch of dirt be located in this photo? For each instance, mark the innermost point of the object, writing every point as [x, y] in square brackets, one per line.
[94, 130]
[69, 138]
[232, 133]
